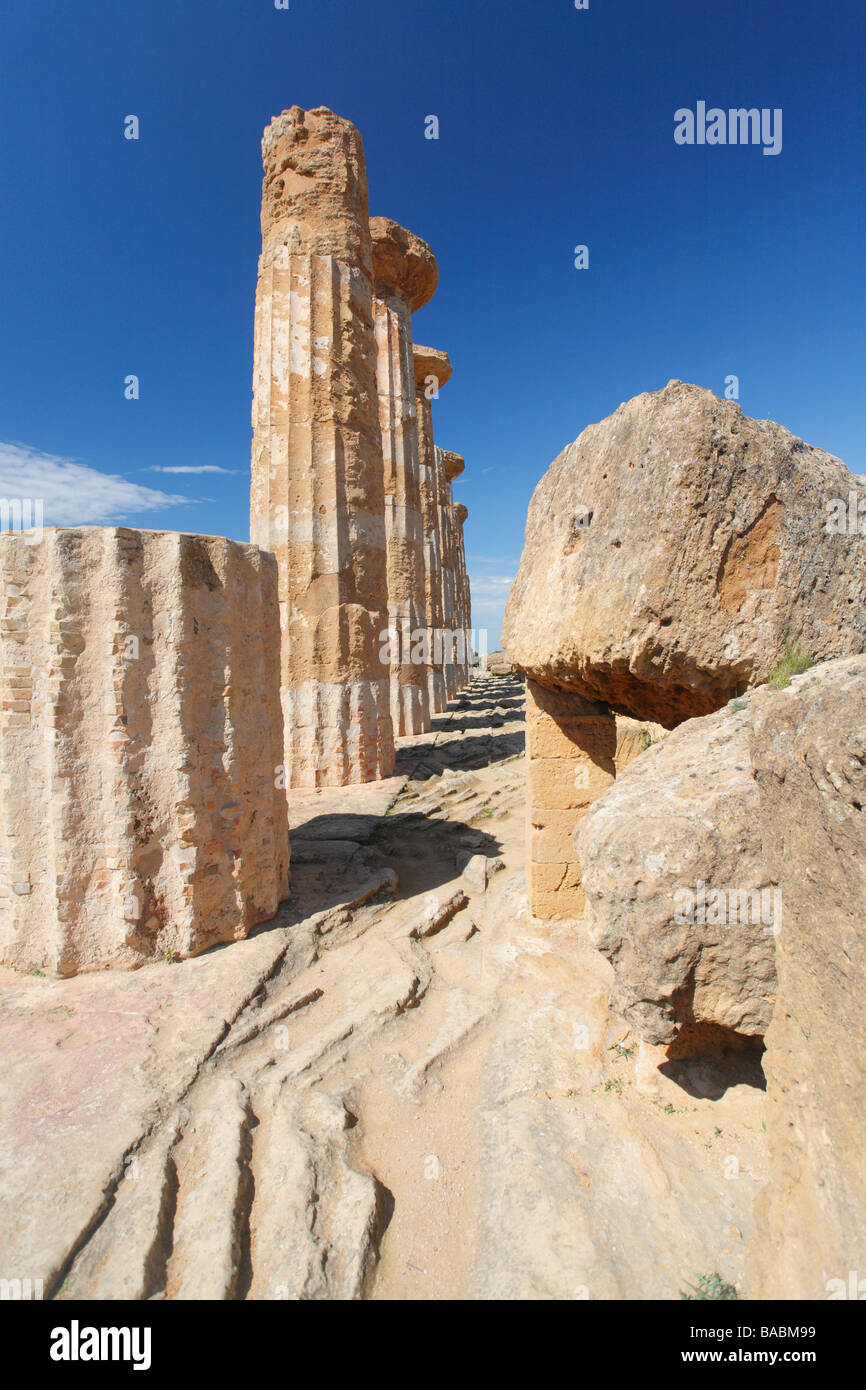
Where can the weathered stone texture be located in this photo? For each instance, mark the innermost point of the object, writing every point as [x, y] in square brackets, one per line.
[808, 753]
[140, 744]
[405, 279]
[464, 598]
[432, 370]
[675, 549]
[575, 748]
[681, 829]
[317, 491]
[449, 467]
[752, 818]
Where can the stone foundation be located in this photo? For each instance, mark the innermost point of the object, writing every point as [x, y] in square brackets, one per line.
[140, 747]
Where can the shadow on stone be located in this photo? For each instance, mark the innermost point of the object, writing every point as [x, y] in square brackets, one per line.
[420, 762]
[705, 1059]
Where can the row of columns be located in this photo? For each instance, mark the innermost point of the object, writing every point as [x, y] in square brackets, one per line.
[348, 488]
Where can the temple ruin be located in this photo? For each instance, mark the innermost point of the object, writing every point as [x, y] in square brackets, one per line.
[165, 692]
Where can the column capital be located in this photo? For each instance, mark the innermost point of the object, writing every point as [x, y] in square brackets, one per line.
[431, 362]
[403, 264]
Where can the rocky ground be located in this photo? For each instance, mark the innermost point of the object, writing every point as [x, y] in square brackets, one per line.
[403, 1087]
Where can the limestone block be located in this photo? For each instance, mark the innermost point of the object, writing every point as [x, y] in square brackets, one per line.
[140, 747]
[575, 748]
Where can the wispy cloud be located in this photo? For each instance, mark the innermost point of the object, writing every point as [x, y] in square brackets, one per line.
[190, 468]
[490, 591]
[492, 559]
[73, 494]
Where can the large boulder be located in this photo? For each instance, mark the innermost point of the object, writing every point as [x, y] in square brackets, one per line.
[733, 849]
[809, 761]
[678, 827]
[676, 548]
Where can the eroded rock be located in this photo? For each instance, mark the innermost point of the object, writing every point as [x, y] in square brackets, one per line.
[809, 760]
[674, 549]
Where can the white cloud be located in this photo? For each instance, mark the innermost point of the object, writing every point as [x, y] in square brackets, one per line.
[73, 494]
[489, 592]
[190, 468]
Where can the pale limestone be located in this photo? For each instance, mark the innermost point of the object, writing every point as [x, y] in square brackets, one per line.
[432, 370]
[141, 747]
[449, 467]
[405, 279]
[464, 598]
[317, 494]
[575, 748]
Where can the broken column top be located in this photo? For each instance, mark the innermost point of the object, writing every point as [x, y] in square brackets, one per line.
[460, 512]
[314, 192]
[431, 362]
[403, 262]
[453, 464]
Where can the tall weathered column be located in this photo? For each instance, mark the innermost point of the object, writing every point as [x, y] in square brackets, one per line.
[432, 370]
[317, 496]
[141, 812]
[406, 277]
[464, 598]
[451, 465]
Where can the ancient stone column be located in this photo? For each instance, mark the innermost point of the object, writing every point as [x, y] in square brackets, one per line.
[464, 599]
[450, 467]
[317, 495]
[574, 750]
[432, 370]
[406, 277]
[141, 807]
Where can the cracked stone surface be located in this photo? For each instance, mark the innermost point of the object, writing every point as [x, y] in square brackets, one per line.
[403, 1087]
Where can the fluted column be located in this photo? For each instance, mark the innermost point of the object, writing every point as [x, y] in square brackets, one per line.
[317, 495]
[432, 370]
[464, 598]
[405, 279]
[450, 467]
[141, 806]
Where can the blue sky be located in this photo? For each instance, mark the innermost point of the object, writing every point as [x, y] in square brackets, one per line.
[556, 129]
